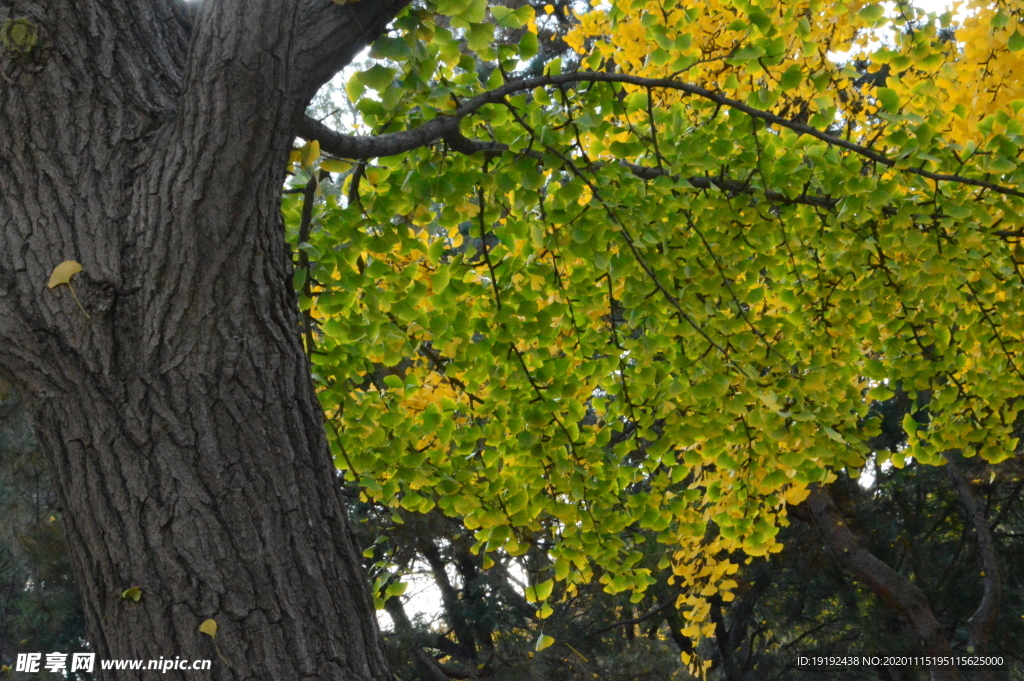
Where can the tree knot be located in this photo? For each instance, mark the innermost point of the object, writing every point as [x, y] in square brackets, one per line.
[19, 35]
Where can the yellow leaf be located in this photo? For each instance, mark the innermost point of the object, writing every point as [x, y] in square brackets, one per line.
[63, 272]
[544, 641]
[209, 627]
[134, 593]
[334, 165]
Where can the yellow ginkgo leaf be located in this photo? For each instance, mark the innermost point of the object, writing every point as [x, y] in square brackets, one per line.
[544, 641]
[63, 272]
[134, 593]
[334, 165]
[209, 627]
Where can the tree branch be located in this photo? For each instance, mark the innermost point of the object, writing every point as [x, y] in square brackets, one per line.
[661, 607]
[446, 128]
[328, 36]
[399, 142]
[893, 588]
[274, 52]
[985, 616]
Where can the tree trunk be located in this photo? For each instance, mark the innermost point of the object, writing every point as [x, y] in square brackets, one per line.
[147, 141]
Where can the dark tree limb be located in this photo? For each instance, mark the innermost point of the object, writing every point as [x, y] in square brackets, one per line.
[328, 36]
[893, 588]
[667, 604]
[435, 129]
[984, 617]
[446, 128]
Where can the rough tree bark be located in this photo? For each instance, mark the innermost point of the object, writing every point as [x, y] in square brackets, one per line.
[146, 139]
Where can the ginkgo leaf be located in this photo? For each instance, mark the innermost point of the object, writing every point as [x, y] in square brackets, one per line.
[543, 642]
[209, 627]
[63, 272]
[134, 593]
[334, 165]
[872, 13]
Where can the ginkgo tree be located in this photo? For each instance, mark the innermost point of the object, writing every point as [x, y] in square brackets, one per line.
[655, 278]
[659, 286]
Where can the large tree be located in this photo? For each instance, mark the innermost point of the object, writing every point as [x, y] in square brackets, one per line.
[147, 140]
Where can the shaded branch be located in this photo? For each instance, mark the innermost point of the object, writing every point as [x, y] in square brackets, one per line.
[893, 588]
[661, 607]
[399, 142]
[328, 36]
[462, 144]
[984, 617]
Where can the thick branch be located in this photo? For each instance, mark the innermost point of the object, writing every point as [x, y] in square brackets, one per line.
[329, 36]
[447, 128]
[391, 144]
[985, 616]
[893, 588]
[399, 142]
[275, 52]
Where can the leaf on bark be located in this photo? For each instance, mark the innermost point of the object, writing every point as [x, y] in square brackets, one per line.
[63, 272]
[209, 627]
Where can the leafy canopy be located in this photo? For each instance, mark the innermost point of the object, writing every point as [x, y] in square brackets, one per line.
[657, 287]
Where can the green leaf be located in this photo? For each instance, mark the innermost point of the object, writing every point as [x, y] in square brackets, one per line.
[377, 77]
[636, 102]
[539, 592]
[528, 46]
[748, 52]
[793, 76]
[881, 393]
[888, 99]
[475, 13]
[480, 36]
[453, 7]
[387, 47]
[872, 13]
[511, 19]
[440, 279]
[333, 165]
[1016, 42]
[395, 589]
